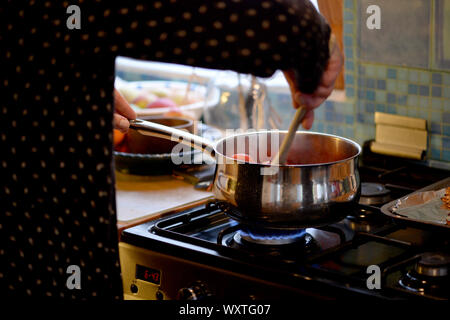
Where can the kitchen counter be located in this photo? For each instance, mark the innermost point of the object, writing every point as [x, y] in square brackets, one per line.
[143, 198]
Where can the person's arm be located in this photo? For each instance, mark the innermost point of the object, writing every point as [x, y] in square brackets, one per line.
[247, 36]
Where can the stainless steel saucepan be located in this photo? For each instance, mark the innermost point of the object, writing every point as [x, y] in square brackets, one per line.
[319, 184]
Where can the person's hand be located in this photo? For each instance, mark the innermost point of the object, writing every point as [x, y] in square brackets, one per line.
[326, 86]
[123, 112]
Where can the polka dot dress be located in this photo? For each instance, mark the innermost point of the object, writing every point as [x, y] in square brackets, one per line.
[57, 200]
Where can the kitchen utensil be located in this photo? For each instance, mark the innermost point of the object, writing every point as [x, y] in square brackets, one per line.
[159, 163]
[320, 189]
[280, 157]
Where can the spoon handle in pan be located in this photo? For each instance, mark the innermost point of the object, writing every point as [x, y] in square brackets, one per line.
[152, 129]
[281, 156]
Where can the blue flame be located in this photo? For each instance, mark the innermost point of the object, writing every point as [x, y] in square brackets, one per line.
[270, 234]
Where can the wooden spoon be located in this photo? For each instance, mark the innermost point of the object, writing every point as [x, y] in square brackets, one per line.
[280, 157]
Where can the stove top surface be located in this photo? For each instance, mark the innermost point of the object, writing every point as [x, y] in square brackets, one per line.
[410, 260]
[340, 254]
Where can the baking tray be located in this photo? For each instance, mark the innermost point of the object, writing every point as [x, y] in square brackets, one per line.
[387, 208]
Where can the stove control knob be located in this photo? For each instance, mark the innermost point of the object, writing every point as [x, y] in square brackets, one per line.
[197, 291]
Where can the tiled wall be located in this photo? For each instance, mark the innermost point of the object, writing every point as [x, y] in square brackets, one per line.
[377, 86]
[381, 84]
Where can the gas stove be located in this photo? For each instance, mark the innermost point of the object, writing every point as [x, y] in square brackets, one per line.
[202, 253]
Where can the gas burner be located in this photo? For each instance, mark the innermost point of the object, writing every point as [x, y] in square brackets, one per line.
[374, 194]
[284, 245]
[433, 265]
[365, 219]
[269, 237]
[429, 276]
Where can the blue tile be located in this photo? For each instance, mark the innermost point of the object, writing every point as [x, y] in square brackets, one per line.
[329, 106]
[435, 128]
[424, 90]
[348, 52]
[348, 4]
[360, 106]
[391, 98]
[370, 83]
[391, 109]
[360, 117]
[370, 107]
[445, 155]
[412, 89]
[370, 95]
[348, 15]
[436, 91]
[381, 84]
[350, 92]
[446, 117]
[349, 79]
[349, 119]
[392, 73]
[329, 116]
[436, 78]
[361, 70]
[348, 28]
[349, 65]
[320, 127]
[436, 154]
[348, 41]
[361, 94]
[339, 117]
[446, 143]
[402, 100]
[446, 130]
[381, 107]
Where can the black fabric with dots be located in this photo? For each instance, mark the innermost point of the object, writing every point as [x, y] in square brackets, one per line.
[57, 201]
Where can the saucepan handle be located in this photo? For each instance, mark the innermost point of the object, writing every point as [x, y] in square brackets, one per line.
[153, 129]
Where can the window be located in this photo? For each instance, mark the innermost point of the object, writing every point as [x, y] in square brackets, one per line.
[332, 10]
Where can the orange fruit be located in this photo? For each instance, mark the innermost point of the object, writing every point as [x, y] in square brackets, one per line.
[118, 137]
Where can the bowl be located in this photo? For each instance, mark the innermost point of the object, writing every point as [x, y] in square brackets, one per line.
[204, 97]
